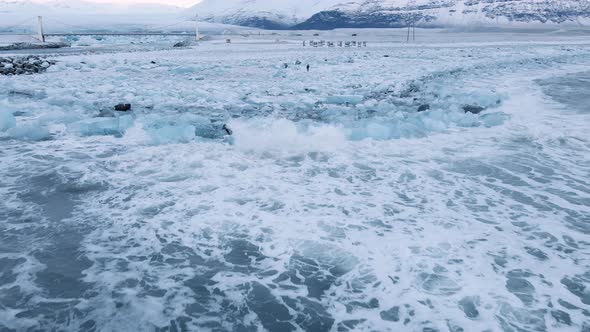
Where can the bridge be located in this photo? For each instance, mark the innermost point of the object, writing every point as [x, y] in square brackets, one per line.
[40, 34]
[121, 34]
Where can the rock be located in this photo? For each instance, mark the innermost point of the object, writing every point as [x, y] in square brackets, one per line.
[24, 65]
[184, 43]
[123, 107]
[153, 62]
[423, 108]
[386, 56]
[27, 46]
[297, 62]
[227, 129]
[474, 109]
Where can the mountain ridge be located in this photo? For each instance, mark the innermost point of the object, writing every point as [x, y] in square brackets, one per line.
[332, 14]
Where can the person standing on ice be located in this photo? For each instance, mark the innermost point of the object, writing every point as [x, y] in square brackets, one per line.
[308, 68]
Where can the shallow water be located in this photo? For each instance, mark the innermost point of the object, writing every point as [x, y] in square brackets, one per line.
[335, 206]
[571, 90]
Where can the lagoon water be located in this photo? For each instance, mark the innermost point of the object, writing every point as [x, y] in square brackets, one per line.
[334, 206]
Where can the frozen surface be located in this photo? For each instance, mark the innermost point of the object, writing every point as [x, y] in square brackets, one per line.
[334, 206]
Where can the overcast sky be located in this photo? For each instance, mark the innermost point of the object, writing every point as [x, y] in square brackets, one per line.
[180, 3]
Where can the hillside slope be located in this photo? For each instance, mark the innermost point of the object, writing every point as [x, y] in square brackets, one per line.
[331, 14]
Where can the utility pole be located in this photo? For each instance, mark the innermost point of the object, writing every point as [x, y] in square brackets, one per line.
[41, 33]
[197, 28]
[411, 28]
[411, 19]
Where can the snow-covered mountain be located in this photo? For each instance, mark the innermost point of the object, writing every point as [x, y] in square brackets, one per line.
[269, 14]
[330, 14]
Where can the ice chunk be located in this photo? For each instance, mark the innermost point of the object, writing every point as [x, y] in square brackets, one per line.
[103, 126]
[493, 119]
[344, 99]
[7, 120]
[280, 73]
[182, 128]
[29, 133]
[378, 131]
[172, 134]
[469, 120]
[183, 70]
[57, 117]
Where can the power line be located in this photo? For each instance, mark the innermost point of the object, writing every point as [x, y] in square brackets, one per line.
[19, 24]
[167, 26]
[411, 19]
[74, 27]
[67, 24]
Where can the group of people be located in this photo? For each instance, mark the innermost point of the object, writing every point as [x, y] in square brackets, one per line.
[323, 43]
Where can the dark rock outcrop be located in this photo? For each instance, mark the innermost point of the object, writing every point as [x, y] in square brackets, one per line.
[27, 65]
[335, 19]
[474, 109]
[392, 14]
[31, 46]
[184, 43]
[423, 108]
[227, 129]
[123, 107]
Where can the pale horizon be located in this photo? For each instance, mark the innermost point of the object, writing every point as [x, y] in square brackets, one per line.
[178, 3]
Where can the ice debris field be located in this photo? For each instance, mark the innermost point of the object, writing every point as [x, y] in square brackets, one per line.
[362, 195]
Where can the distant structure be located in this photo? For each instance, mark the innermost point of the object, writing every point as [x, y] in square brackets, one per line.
[28, 28]
[41, 33]
[197, 37]
[323, 43]
[411, 20]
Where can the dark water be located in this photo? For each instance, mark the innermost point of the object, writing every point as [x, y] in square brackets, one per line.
[571, 90]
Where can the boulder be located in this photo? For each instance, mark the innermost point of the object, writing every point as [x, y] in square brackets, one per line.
[474, 109]
[227, 130]
[423, 108]
[123, 107]
[24, 65]
[184, 43]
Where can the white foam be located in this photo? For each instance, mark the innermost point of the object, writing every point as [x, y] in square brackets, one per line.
[416, 210]
[7, 120]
